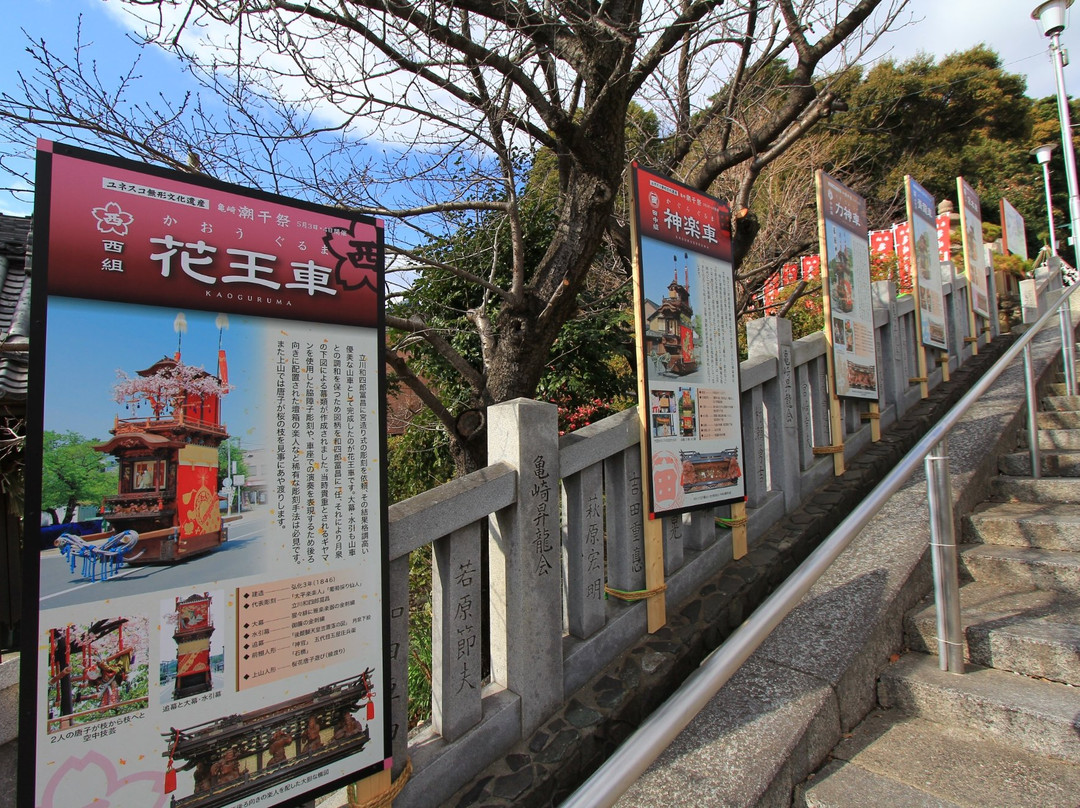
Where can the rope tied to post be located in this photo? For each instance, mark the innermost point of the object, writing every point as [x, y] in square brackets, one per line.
[641, 594]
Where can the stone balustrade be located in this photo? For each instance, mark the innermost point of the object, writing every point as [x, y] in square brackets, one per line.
[562, 518]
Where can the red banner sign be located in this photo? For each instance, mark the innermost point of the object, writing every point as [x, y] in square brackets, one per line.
[882, 242]
[147, 237]
[944, 236]
[677, 215]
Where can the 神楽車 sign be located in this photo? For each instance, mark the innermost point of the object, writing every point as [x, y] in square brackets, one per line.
[213, 633]
[687, 338]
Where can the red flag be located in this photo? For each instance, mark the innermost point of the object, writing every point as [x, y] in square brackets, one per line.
[904, 256]
[772, 289]
[223, 370]
[944, 237]
[882, 241]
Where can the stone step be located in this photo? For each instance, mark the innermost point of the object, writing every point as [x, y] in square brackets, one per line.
[1036, 633]
[1051, 438]
[1058, 386]
[1066, 419]
[1028, 489]
[1021, 567]
[1060, 403]
[896, 760]
[1032, 714]
[1053, 464]
[1050, 526]
[749, 745]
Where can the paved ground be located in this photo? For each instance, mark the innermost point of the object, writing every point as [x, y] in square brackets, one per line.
[61, 587]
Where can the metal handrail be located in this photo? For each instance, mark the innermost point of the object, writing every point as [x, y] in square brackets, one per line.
[660, 729]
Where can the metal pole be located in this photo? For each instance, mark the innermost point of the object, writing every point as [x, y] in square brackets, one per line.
[1033, 413]
[943, 554]
[1067, 142]
[1068, 348]
[228, 471]
[1049, 206]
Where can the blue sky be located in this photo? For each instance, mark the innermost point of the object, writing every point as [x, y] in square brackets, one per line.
[936, 27]
[89, 341]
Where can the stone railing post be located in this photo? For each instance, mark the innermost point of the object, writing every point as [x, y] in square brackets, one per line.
[399, 660]
[895, 372]
[675, 529]
[624, 495]
[992, 293]
[952, 324]
[525, 560]
[771, 336]
[583, 550]
[963, 314]
[805, 409]
[817, 399]
[701, 532]
[456, 640]
[755, 468]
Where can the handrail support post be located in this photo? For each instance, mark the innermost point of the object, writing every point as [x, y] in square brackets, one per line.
[1033, 413]
[944, 558]
[1068, 348]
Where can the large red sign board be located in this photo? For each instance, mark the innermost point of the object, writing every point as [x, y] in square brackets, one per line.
[144, 280]
[130, 236]
[689, 354]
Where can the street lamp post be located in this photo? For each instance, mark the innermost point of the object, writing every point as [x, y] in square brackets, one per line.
[1042, 156]
[1051, 17]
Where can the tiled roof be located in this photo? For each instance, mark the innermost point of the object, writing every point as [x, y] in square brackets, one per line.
[14, 305]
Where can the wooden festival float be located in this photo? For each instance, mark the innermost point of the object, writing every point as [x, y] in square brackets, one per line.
[166, 507]
[706, 471]
[86, 685]
[240, 754]
[670, 330]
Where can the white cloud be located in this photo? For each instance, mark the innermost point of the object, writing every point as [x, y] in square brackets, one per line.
[1005, 25]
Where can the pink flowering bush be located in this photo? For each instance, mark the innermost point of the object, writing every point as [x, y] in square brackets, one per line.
[166, 387]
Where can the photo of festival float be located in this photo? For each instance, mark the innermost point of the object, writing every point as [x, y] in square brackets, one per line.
[670, 331]
[231, 757]
[97, 671]
[160, 492]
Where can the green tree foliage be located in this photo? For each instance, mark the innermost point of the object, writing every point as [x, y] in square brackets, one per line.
[230, 451]
[589, 371]
[965, 116]
[73, 474]
[1045, 128]
[456, 101]
[418, 459]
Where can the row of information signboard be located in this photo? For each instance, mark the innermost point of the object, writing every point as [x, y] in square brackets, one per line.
[687, 331]
[184, 655]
